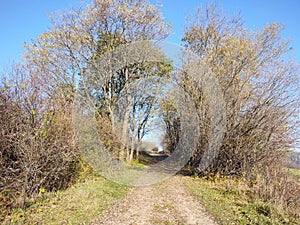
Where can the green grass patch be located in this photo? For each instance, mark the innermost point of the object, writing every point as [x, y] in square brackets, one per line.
[80, 204]
[128, 173]
[295, 173]
[227, 200]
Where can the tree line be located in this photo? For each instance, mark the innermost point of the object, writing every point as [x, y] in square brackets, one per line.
[38, 142]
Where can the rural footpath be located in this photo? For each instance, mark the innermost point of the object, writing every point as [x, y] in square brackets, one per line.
[164, 203]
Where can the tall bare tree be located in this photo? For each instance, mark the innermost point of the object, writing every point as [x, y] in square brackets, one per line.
[259, 88]
[78, 39]
[37, 137]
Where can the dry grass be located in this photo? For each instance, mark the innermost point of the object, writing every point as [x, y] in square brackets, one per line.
[229, 202]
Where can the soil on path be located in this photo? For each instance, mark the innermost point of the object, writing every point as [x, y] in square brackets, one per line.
[164, 203]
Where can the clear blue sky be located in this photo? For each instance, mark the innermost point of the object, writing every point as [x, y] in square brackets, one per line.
[23, 20]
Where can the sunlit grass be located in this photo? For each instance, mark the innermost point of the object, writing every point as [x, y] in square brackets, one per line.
[227, 200]
[295, 173]
[80, 204]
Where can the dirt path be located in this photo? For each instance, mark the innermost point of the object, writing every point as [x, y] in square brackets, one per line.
[166, 203]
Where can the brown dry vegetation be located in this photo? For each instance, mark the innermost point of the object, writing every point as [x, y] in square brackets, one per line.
[261, 101]
[38, 141]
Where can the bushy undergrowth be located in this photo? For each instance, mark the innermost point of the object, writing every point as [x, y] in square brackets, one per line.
[37, 150]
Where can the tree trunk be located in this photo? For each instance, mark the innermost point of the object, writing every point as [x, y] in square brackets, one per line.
[131, 149]
[125, 128]
[137, 150]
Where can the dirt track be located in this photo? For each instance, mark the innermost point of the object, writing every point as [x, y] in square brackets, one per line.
[165, 203]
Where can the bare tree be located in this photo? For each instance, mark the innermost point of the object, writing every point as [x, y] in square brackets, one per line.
[259, 88]
[79, 38]
[38, 143]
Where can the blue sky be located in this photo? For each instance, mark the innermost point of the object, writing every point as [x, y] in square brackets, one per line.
[256, 14]
[23, 20]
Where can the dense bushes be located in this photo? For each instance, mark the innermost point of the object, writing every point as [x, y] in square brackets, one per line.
[260, 90]
[37, 149]
[38, 142]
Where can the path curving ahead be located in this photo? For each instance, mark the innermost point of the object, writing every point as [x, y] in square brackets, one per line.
[164, 203]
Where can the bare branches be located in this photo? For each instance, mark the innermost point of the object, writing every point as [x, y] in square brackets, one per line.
[259, 89]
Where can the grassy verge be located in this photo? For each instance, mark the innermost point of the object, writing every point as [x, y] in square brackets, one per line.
[295, 173]
[230, 203]
[80, 204]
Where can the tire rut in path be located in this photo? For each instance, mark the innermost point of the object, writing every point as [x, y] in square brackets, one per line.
[164, 203]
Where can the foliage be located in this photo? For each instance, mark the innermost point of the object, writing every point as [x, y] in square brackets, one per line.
[259, 89]
[113, 24]
[295, 173]
[36, 145]
[277, 186]
[38, 142]
[171, 120]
